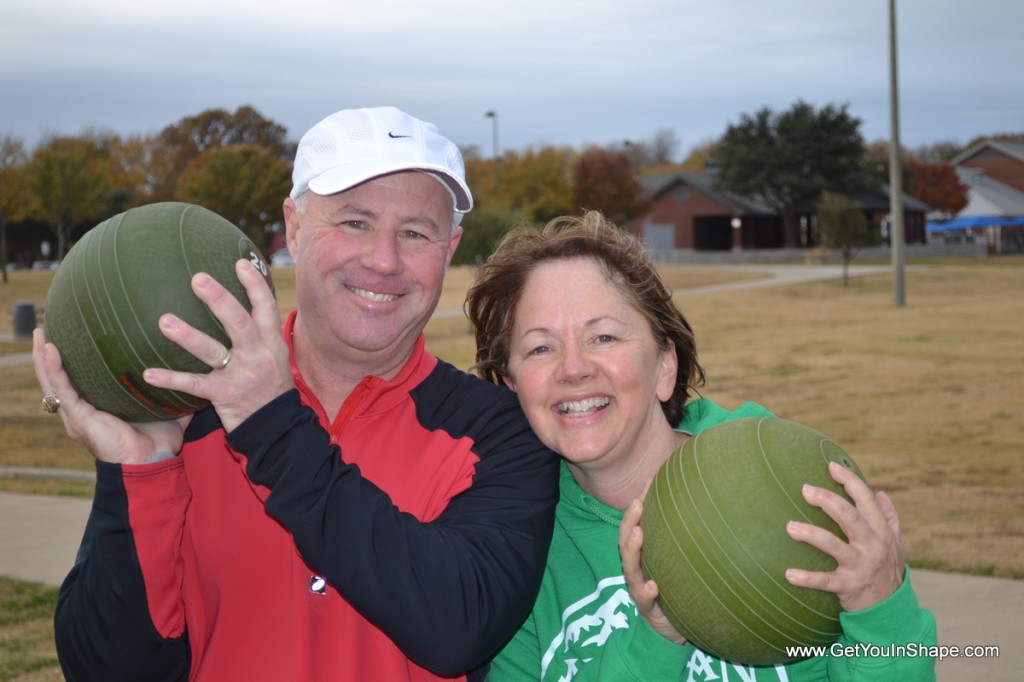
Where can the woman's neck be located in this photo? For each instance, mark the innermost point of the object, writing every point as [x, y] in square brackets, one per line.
[619, 485]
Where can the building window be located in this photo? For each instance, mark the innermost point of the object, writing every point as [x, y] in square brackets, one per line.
[682, 193]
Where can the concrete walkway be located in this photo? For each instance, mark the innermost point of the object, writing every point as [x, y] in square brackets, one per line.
[770, 276]
[779, 275]
[40, 535]
[13, 359]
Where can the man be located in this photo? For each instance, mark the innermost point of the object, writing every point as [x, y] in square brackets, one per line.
[349, 507]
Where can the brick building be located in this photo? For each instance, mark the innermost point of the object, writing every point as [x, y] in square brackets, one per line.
[1000, 161]
[686, 212]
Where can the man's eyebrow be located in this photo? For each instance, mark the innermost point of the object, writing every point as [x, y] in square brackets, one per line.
[413, 219]
[422, 220]
[351, 208]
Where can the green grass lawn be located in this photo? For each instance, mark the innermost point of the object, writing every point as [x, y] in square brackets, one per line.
[27, 653]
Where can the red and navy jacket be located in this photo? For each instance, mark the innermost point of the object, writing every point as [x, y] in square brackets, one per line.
[404, 541]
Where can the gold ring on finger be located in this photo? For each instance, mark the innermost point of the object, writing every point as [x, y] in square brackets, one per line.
[224, 362]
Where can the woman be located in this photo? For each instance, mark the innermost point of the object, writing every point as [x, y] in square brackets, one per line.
[575, 319]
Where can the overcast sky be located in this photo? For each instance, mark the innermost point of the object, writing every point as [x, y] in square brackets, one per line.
[567, 72]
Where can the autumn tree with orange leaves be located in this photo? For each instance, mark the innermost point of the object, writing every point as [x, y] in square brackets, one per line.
[936, 184]
[605, 181]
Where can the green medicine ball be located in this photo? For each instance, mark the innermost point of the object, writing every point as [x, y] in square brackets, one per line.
[715, 539]
[115, 283]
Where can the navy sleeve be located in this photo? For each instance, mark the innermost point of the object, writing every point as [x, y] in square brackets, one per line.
[449, 592]
[102, 625]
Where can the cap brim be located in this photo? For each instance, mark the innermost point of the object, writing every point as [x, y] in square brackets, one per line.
[347, 176]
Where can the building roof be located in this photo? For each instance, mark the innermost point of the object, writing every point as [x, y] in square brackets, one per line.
[882, 201]
[656, 184]
[1012, 149]
[988, 197]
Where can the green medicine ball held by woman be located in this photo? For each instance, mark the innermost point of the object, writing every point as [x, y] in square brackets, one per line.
[715, 539]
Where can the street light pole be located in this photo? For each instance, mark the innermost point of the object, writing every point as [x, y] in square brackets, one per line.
[896, 228]
[493, 115]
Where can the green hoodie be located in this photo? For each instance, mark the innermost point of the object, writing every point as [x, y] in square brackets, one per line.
[585, 627]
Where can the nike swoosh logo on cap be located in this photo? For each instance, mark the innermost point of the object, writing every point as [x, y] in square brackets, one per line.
[395, 137]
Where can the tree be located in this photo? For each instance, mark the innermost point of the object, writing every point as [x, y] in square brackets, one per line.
[844, 227]
[482, 229]
[605, 181]
[789, 159]
[536, 182]
[937, 185]
[147, 167]
[183, 142]
[123, 179]
[699, 157]
[244, 184]
[664, 147]
[220, 128]
[481, 176]
[16, 199]
[876, 164]
[71, 180]
[522, 187]
[945, 150]
[997, 137]
[660, 150]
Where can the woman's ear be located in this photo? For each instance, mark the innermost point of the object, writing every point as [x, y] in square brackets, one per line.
[668, 369]
[510, 382]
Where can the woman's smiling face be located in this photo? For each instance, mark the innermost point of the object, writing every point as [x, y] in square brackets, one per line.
[586, 366]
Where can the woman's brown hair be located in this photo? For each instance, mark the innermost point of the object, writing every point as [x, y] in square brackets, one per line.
[491, 302]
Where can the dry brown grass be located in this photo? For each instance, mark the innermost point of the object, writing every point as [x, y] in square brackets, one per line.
[29, 437]
[925, 398]
[22, 285]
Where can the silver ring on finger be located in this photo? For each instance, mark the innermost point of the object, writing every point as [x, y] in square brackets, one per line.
[51, 403]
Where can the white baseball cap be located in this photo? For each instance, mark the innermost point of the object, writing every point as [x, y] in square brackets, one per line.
[355, 145]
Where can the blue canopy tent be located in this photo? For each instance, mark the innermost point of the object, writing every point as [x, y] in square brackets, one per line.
[959, 225]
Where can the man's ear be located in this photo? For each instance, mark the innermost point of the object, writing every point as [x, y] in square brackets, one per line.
[452, 245]
[291, 224]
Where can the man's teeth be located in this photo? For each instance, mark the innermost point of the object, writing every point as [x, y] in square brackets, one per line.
[372, 296]
[581, 407]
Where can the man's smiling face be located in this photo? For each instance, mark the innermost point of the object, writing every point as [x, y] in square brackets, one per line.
[370, 261]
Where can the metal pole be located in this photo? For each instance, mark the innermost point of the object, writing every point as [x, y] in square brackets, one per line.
[493, 115]
[896, 218]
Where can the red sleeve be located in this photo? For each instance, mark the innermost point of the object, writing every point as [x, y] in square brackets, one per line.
[158, 495]
[107, 624]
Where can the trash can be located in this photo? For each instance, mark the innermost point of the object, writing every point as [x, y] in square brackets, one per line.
[24, 318]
